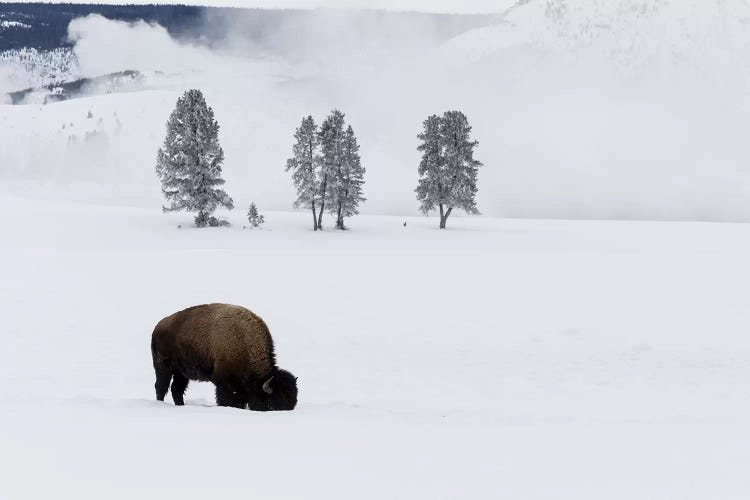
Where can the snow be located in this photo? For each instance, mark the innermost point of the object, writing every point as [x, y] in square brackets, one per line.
[500, 358]
[28, 67]
[5, 24]
[497, 359]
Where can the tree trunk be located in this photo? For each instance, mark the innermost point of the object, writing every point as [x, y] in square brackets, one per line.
[311, 158]
[340, 222]
[339, 219]
[322, 201]
[444, 216]
[201, 220]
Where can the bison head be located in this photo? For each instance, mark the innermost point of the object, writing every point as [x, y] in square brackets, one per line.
[280, 391]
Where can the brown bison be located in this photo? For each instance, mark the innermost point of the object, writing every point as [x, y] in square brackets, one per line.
[227, 345]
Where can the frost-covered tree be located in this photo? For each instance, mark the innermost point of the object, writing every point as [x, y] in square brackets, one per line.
[448, 170]
[326, 169]
[431, 165]
[345, 186]
[331, 135]
[305, 165]
[254, 217]
[189, 163]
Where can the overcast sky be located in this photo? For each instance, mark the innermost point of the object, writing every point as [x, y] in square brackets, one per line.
[457, 6]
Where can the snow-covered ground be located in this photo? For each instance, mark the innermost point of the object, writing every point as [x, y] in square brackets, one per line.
[501, 358]
[497, 359]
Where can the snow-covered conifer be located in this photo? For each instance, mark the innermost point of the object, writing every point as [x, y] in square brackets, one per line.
[326, 169]
[189, 163]
[448, 170]
[346, 184]
[305, 165]
[331, 136]
[254, 217]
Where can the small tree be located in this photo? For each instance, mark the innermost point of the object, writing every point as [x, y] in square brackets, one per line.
[304, 166]
[331, 135]
[448, 170]
[346, 185]
[254, 217]
[189, 163]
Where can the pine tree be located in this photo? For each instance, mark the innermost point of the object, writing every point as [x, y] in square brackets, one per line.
[331, 135]
[429, 187]
[305, 165]
[346, 185]
[448, 170]
[189, 163]
[254, 217]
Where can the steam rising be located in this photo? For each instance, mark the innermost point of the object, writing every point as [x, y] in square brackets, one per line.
[610, 110]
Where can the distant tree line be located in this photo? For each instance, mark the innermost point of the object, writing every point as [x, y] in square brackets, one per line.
[48, 22]
[326, 167]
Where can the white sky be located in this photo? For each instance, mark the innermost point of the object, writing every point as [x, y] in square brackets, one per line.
[456, 6]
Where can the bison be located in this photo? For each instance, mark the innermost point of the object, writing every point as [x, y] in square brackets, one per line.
[224, 344]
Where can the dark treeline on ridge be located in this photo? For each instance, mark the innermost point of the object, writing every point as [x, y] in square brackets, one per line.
[45, 26]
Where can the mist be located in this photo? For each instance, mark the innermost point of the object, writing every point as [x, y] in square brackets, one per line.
[617, 110]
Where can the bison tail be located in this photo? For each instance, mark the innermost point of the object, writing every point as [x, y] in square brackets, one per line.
[155, 354]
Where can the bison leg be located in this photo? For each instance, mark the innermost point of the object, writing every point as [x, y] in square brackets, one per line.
[163, 378]
[179, 385]
[225, 396]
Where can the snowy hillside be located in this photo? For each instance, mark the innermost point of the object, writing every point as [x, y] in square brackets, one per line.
[25, 68]
[631, 35]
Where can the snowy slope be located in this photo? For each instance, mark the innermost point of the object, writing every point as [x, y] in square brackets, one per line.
[598, 111]
[21, 69]
[632, 35]
[498, 359]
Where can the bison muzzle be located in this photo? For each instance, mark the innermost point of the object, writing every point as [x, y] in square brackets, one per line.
[224, 344]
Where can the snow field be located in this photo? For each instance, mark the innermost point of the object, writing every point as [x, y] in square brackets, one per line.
[497, 359]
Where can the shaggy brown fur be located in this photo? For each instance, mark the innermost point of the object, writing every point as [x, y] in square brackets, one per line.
[227, 345]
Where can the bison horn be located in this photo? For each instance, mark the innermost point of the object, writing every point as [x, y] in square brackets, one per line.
[267, 386]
